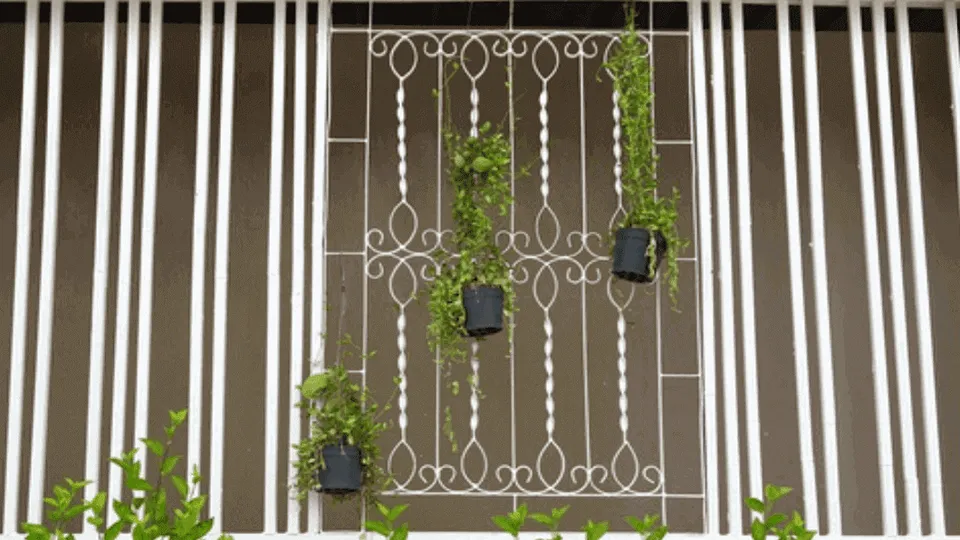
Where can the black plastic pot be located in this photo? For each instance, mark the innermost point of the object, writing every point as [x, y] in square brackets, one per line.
[342, 473]
[484, 307]
[630, 261]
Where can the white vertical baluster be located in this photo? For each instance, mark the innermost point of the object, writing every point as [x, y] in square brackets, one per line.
[797, 295]
[828, 409]
[894, 260]
[147, 224]
[127, 201]
[871, 241]
[705, 252]
[272, 431]
[18, 338]
[101, 252]
[221, 268]
[198, 269]
[953, 61]
[318, 265]
[745, 233]
[921, 281]
[730, 409]
[48, 267]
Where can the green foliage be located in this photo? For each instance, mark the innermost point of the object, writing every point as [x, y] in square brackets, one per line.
[647, 527]
[595, 531]
[149, 515]
[340, 412]
[552, 521]
[386, 527]
[632, 75]
[513, 522]
[479, 170]
[766, 522]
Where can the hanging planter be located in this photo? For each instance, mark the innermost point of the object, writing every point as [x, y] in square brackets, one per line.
[646, 240]
[631, 254]
[342, 470]
[471, 291]
[483, 306]
[340, 457]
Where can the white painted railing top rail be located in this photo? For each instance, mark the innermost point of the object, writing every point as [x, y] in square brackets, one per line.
[779, 367]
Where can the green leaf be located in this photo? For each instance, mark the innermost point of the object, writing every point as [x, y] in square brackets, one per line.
[156, 447]
[124, 512]
[773, 493]
[757, 530]
[594, 531]
[62, 494]
[378, 527]
[482, 164]
[98, 503]
[138, 484]
[543, 518]
[113, 531]
[95, 521]
[776, 519]
[636, 524]
[506, 525]
[168, 465]
[181, 485]
[51, 502]
[33, 528]
[559, 512]
[200, 530]
[313, 385]
[178, 417]
[401, 533]
[755, 504]
[396, 511]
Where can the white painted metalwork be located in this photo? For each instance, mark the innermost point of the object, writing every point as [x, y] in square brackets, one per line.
[221, 271]
[272, 408]
[895, 256]
[546, 258]
[48, 266]
[798, 306]
[828, 406]
[18, 337]
[101, 258]
[745, 233]
[871, 241]
[124, 264]
[707, 346]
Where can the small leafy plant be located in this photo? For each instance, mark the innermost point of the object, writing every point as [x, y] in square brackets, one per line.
[512, 522]
[767, 523]
[647, 527]
[340, 413]
[479, 171]
[385, 527]
[552, 521]
[149, 514]
[632, 75]
[595, 531]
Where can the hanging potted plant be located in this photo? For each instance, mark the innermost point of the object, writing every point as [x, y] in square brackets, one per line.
[471, 292]
[340, 456]
[646, 240]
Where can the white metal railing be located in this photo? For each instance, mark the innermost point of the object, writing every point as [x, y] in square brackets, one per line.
[709, 133]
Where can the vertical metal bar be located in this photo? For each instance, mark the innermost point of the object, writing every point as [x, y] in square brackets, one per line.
[828, 409]
[127, 191]
[299, 209]
[894, 260]
[953, 61]
[271, 451]
[921, 281]
[318, 265]
[101, 252]
[801, 358]
[875, 298]
[198, 271]
[48, 266]
[728, 336]
[221, 269]
[745, 233]
[147, 224]
[18, 338]
[705, 247]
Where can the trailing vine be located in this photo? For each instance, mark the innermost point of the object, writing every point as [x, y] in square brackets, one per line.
[632, 76]
[479, 172]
